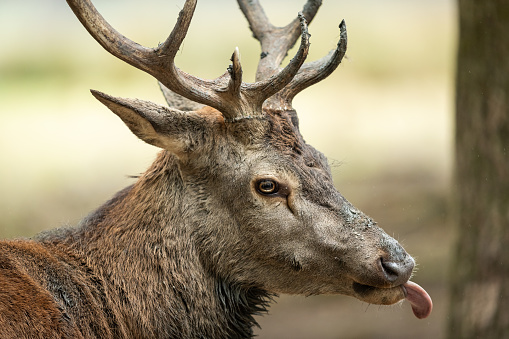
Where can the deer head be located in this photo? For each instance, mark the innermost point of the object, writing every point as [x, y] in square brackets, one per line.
[260, 201]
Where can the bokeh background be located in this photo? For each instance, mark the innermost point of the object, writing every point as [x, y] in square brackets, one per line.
[384, 119]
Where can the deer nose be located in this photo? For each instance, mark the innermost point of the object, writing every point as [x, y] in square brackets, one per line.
[397, 272]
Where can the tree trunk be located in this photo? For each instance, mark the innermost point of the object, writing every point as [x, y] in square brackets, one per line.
[480, 274]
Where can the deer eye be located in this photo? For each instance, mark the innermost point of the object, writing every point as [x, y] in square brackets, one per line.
[267, 186]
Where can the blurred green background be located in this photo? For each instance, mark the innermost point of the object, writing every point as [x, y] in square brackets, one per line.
[384, 119]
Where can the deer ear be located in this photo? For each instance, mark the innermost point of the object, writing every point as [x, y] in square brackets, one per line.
[174, 130]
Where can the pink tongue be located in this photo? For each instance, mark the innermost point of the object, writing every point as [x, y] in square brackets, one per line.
[419, 299]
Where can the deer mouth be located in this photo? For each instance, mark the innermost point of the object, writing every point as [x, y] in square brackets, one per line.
[418, 298]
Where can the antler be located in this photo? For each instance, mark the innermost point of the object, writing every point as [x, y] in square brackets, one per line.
[277, 41]
[233, 98]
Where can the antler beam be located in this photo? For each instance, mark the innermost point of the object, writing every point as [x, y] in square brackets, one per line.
[227, 93]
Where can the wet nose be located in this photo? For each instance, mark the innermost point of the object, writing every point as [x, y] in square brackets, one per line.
[397, 272]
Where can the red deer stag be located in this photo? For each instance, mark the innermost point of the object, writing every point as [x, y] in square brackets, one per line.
[235, 209]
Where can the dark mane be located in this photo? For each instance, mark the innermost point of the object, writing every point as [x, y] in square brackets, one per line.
[240, 305]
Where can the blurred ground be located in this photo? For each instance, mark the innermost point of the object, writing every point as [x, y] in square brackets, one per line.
[384, 119]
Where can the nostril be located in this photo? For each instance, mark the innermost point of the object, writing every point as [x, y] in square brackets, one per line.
[397, 272]
[391, 270]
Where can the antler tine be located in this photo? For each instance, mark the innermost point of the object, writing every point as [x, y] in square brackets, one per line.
[235, 71]
[313, 72]
[169, 48]
[275, 41]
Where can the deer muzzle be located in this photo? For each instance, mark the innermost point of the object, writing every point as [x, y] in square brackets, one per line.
[389, 283]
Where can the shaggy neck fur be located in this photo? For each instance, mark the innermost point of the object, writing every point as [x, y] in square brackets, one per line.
[140, 247]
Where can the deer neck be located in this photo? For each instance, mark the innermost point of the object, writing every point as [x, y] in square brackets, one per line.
[141, 244]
